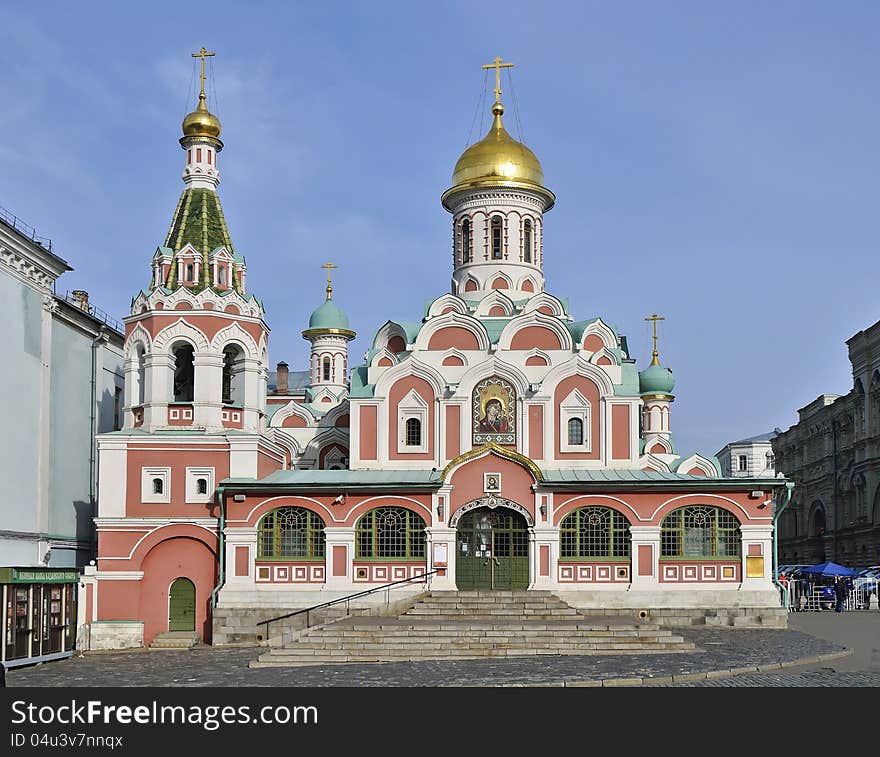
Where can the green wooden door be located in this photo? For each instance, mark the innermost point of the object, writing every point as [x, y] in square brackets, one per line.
[492, 550]
[182, 606]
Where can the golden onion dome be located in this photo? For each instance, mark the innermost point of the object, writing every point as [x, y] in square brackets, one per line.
[201, 122]
[498, 160]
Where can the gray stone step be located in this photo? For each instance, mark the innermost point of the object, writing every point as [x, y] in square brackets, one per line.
[473, 625]
[175, 640]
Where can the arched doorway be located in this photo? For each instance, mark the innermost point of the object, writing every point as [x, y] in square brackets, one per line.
[492, 550]
[182, 605]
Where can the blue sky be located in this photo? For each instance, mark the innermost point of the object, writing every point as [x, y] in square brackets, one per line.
[715, 163]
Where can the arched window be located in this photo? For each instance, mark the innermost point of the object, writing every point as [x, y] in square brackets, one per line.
[465, 241]
[138, 376]
[496, 237]
[158, 486]
[233, 375]
[202, 485]
[594, 532]
[189, 271]
[413, 432]
[221, 276]
[575, 431]
[326, 368]
[291, 532]
[700, 531]
[184, 373]
[527, 241]
[390, 532]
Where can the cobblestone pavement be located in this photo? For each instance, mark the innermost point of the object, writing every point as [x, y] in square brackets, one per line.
[725, 658]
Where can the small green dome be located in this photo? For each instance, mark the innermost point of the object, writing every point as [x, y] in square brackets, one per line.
[656, 379]
[328, 316]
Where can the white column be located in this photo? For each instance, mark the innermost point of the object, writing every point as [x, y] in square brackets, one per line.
[339, 537]
[760, 538]
[441, 535]
[240, 537]
[112, 476]
[158, 370]
[252, 380]
[50, 306]
[645, 536]
[208, 393]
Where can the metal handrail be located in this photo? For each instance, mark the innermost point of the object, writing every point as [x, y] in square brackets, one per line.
[346, 599]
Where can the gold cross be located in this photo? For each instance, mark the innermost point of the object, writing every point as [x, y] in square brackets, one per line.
[329, 267]
[654, 317]
[498, 65]
[203, 53]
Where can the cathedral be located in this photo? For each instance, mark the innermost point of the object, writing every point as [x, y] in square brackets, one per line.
[493, 442]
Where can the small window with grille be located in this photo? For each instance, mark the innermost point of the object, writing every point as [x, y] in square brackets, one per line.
[496, 237]
[413, 432]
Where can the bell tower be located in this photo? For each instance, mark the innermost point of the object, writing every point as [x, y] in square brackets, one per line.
[196, 346]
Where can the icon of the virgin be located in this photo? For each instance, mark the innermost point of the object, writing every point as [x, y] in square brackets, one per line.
[494, 421]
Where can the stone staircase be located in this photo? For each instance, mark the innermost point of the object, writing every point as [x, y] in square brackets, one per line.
[175, 640]
[474, 625]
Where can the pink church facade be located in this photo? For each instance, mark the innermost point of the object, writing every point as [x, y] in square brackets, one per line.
[495, 443]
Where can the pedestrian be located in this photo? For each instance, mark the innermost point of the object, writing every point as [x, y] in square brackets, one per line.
[840, 592]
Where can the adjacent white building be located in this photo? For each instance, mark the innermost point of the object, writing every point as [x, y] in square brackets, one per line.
[749, 457]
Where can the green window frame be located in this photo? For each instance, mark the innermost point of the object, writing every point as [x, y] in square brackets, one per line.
[700, 532]
[291, 533]
[599, 533]
[390, 533]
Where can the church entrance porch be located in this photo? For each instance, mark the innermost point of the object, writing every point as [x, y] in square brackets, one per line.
[492, 550]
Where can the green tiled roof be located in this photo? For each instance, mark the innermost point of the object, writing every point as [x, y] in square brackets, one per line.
[343, 479]
[348, 480]
[199, 221]
[618, 476]
[359, 386]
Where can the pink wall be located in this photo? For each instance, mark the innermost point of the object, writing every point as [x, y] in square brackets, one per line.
[536, 432]
[266, 464]
[368, 432]
[646, 565]
[453, 336]
[398, 391]
[593, 343]
[453, 432]
[209, 324]
[167, 561]
[516, 482]
[160, 456]
[620, 432]
[339, 561]
[591, 392]
[241, 561]
[535, 336]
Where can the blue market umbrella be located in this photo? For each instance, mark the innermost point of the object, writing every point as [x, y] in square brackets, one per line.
[830, 569]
